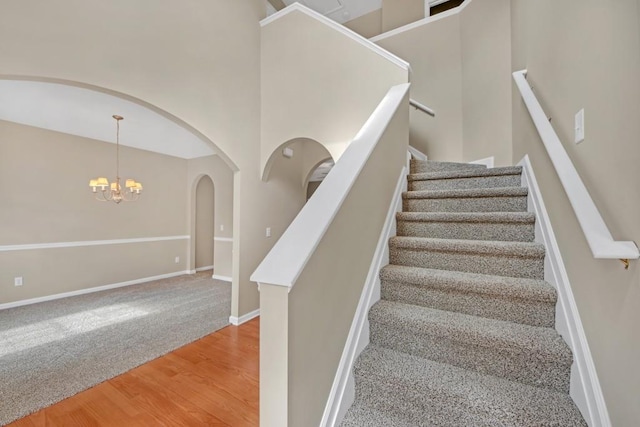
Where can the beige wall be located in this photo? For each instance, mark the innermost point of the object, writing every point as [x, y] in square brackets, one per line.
[396, 13]
[196, 61]
[204, 233]
[44, 179]
[319, 84]
[486, 80]
[434, 52]
[461, 70]
[368, 25]
[222, 177]
[586, 54]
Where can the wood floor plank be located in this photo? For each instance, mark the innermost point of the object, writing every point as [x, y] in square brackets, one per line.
[213, 381]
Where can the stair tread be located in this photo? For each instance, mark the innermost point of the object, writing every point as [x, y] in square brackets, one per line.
[465, 173]
[466, 193]
[432, 393]
[544, 343]
[488, 247]
[475, 217]
[501, 286]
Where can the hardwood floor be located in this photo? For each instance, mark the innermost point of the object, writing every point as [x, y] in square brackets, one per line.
[210, 382]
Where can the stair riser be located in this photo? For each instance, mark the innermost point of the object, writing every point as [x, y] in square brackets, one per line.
[530, 268]
[534, 313]
[417, 166]
[471, 204]
[466, 183]
[512, 232]
[508, 363]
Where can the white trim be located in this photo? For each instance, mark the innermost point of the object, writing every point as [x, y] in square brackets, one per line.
[208, 267]
[593, 226]
[223, 239]
[487, 161]
[427, 20]
[340, 28]
[417, 154]
[90, 290]
[237, 321]
[223, 278]
[56, 245]
[585, 386]
[342, 392]
[285, 262]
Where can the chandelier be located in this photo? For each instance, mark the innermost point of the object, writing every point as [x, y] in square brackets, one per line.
[104, 191]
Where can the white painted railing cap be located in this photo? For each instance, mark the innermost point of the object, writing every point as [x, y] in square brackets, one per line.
[595, 230]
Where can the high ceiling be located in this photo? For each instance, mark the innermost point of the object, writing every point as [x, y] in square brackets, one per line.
[339, 10]
[87, 113]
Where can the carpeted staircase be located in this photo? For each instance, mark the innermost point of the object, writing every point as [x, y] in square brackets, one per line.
[464, 332]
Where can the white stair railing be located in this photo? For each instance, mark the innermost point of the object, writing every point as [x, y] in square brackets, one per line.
[597, 233]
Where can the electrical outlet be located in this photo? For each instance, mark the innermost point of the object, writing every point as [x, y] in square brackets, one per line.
[177, 259]
[17, 281]
[221, 227]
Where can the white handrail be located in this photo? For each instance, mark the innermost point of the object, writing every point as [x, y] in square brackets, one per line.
[418, 106]
[593, 226]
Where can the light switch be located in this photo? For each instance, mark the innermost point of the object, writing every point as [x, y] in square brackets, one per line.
[579, 126]
[268, 232]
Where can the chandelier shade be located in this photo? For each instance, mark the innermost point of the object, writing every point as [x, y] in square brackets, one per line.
[113, 192]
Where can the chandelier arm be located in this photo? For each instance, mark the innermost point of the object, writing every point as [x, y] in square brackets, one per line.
[104, 197]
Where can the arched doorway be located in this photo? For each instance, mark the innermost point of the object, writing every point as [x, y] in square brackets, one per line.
[204, 232]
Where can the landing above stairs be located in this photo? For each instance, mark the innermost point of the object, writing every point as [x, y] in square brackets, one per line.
[463, 333]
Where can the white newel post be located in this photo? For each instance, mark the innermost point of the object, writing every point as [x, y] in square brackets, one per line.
[274, 355]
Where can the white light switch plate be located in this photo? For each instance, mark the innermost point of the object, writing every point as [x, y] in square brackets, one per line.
[268, 232]
[579, 126]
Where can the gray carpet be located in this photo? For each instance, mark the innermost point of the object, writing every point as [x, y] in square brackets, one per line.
[463, 334]
[53, 350]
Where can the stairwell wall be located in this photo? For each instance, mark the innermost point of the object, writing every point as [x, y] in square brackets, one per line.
[318, 83]
[586, 54]
[485, 38]
[461, 69]
[434, 52]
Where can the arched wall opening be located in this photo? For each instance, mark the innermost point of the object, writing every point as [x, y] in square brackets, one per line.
[204, 228]
[316, 175]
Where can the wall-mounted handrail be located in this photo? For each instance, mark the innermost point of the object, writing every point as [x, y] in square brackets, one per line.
[593, 226]
[422, 107]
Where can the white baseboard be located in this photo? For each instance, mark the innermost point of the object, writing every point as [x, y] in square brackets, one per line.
[236, 321]
[487, 161]
[585, 386]
[223, 278]
[208, 267]
[342, 392]
[90, 290]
